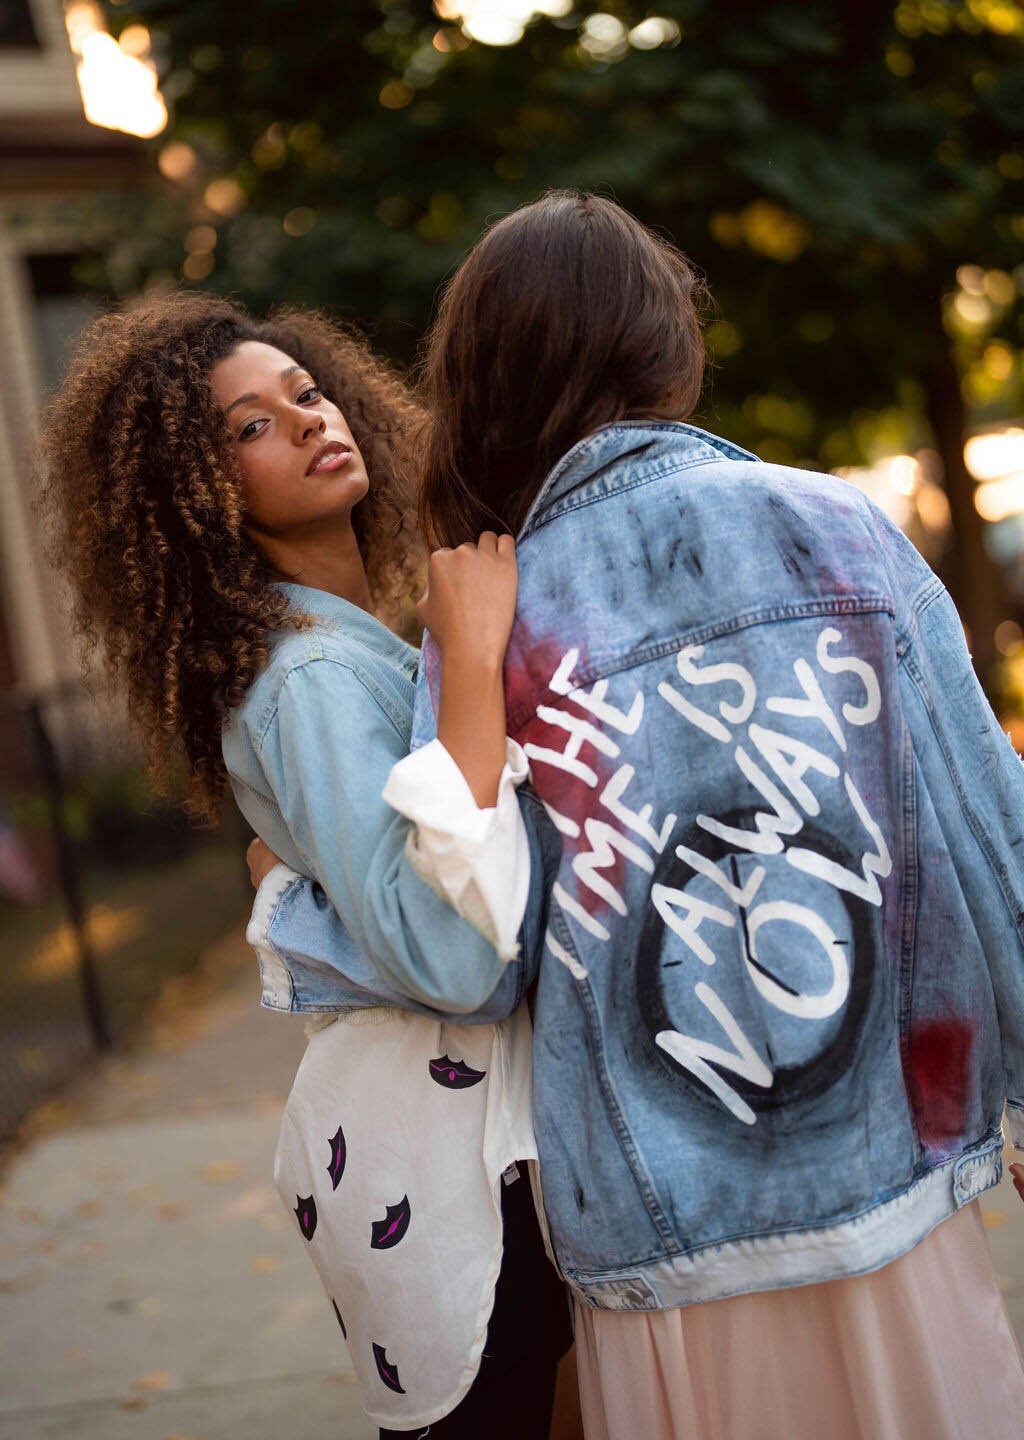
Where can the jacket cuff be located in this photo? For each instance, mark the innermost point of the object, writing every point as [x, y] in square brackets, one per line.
[477, 859]
[278, 991]
[1015, 1123]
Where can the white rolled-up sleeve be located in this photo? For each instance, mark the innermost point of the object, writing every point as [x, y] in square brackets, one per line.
[477, 859]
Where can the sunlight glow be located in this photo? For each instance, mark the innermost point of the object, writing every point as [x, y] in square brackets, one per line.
[498, 22]
[118, 81]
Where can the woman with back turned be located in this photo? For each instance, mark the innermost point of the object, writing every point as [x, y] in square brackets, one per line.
[781, 996]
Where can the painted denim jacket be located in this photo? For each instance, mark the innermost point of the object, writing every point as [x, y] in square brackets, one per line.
[780, 1002]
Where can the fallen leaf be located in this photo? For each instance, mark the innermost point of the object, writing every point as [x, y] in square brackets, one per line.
[155, 1380]
[220, 1172]
[265, 1264]
[133, 1402]
[171, 1210]
[993, 1219]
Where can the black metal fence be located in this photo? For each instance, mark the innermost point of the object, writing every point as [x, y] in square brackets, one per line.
[106, 888]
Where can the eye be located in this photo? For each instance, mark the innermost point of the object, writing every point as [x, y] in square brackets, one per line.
[250, 429]
[310, 395]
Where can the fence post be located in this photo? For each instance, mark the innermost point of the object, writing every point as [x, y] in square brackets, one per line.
[53, 781]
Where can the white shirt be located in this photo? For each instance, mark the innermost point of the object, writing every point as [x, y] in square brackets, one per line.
[398, 1127]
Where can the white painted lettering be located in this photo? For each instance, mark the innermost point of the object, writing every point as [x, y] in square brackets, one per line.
[694, 1055]
[764, 838]
[739, 897]
[869, 711]
[878, 864]
[814, 706]
[805, 1007]
[639, 821]
[738, 712]
[604, 841]
[581, 732]
[583, 917]
[791, 759]
[575, 969]
[687, 927]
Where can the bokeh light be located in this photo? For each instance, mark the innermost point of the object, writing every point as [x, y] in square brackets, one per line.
[118, 81]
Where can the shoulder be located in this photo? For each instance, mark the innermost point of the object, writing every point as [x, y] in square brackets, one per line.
[315, 668]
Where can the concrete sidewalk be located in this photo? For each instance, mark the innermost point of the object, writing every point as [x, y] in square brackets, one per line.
[152, 1285]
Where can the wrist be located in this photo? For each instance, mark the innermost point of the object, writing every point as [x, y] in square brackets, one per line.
[465, 660]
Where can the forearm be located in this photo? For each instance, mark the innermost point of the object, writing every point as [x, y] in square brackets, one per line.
[471, 722]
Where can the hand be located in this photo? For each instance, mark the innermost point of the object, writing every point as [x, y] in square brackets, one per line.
[470, 600]
[260, 860]
[1017, 1171]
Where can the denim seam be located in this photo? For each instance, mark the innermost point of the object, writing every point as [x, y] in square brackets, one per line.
[909, 900]
[623, 1135]
[603, 668]
[724, 449]
[568, 506]
[1016, 913]
[368, 684]
[974, 1152]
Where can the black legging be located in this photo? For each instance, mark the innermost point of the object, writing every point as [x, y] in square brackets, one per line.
[513, 1394]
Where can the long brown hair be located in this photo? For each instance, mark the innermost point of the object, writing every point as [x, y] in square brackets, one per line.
[568, 314]
[143, 496]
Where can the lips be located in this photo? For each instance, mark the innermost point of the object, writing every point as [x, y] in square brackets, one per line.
[331, 456]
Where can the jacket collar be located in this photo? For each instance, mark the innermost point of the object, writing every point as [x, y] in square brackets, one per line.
[640, 441]
[349, 620]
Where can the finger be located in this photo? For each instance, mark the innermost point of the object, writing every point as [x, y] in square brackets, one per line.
[507, 547]
[488, 541]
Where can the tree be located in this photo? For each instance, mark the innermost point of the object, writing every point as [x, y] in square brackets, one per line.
[831, 164]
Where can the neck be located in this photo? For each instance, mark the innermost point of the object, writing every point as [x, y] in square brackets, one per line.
[328, 559]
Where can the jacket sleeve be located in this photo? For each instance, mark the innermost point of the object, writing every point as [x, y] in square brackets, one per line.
[296, 931]
[976, 781]
[330, 746]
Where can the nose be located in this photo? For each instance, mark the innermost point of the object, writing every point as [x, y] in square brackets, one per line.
[307, 423]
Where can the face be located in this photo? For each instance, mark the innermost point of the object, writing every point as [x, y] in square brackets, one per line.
[299, 463]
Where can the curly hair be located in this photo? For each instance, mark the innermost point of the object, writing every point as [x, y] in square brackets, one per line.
[143, 496]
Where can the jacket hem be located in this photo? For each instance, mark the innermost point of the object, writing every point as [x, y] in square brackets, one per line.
[799, 1257]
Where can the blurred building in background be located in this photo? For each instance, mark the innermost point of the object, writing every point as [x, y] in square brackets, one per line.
[52, 160]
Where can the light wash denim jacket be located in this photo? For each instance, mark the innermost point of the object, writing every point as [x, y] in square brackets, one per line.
[781, 991]
[308, 752]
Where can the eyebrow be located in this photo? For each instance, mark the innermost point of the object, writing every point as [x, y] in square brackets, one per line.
[247, 399]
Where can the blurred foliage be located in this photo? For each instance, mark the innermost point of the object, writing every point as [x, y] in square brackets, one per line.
[830, 164]
[113, 813]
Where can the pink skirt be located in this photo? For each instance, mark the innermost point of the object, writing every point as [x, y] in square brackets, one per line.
[919, 1350]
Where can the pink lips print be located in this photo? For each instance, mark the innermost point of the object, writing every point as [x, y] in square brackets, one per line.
[386, 1370]
[305, 1213]
[454, 1074]
[336, 1168]
[387, 1232]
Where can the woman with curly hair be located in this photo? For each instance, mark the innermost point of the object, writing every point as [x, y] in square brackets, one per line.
[231, 502]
